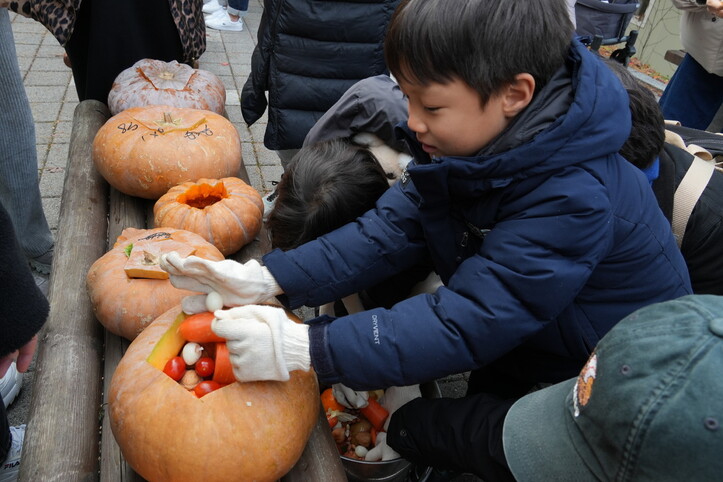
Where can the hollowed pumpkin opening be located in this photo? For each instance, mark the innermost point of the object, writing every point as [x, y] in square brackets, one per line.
[170, 345]
[201, 195]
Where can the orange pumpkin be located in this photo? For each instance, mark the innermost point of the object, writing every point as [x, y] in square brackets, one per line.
[155, 82]
[144, 151]
[226, 212]
[242, 431]
[125, 305]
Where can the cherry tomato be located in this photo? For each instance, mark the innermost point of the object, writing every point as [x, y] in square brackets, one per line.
[206, 387]
[205, 366]
[175, 368]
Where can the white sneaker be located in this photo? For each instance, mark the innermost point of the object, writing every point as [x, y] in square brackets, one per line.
[10, 384]
[211, 6]
[11, 467]
[224, 22]
[217, 14]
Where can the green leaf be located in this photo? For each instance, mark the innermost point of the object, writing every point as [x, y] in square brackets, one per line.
[127, 250]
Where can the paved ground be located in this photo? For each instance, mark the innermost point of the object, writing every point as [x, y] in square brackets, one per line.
[50, 88]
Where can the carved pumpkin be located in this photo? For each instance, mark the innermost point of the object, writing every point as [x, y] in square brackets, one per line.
[144, 151]
[155, 82]
[242, 431]
[226, 212]
[125, 305]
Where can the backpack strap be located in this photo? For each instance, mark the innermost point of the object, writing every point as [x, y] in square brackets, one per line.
[686, 196]
[677, 140]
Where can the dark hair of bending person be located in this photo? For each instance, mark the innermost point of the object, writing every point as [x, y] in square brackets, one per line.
[326, 185]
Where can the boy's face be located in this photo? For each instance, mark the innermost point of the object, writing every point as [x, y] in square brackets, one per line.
[449, 118]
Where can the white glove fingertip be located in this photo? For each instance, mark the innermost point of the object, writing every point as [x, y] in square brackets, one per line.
[222, 327]
[194, 304]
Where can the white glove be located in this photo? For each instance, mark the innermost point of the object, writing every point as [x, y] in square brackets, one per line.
[238, 284]
[348, 397]
[395, 397]
[381, 450]
[263, 343]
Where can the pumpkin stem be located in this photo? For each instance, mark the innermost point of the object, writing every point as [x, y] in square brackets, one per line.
[167, 118]
[166, 75]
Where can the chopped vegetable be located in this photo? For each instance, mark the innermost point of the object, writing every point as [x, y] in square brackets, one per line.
[198, 328]
[375, 413]
[214, 301]
[175, 368]
[205, 366]
[329, 402]
[190, 380]
[206, 387]
[223, 373]
[191, 353]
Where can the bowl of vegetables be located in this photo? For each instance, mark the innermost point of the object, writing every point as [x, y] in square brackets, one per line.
[355, 433]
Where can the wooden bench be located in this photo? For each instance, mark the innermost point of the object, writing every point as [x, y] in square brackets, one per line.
[68, 436]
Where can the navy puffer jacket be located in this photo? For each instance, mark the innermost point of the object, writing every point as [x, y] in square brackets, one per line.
[542, 246]
[309, 53]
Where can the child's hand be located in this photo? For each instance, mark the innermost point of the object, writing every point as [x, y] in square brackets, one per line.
[238, 284]
[263, 343]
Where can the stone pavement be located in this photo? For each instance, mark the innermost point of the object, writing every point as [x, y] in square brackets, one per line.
[51, 91]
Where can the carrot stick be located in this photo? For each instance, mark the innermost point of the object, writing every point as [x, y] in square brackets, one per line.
[223, 373]
[198, 328]
[375, 413]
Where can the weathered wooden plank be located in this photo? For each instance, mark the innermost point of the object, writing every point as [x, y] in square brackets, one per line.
[125, 212]
[61, 441]
[320, 459]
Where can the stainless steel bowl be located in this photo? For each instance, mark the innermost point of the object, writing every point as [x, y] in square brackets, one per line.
[396, 470]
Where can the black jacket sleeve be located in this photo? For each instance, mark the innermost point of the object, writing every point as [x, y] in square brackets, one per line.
[23, 307]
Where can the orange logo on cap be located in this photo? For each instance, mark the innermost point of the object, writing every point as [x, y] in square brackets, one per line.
[583, 386]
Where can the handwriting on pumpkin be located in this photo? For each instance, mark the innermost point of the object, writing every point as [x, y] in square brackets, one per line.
[126, 127]
[192, 136]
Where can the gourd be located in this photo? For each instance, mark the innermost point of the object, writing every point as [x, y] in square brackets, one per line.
[149, 82]
[126, 305]
[225, 212]
[144, 151]
[242, 431]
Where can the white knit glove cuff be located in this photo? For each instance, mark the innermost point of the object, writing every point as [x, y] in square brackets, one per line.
[295, 347]
[271, 287]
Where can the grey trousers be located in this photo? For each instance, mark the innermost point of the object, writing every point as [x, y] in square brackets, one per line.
[19, 188]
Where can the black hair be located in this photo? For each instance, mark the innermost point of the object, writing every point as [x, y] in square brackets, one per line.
[647, 135]
[485, 43]
[326, 185]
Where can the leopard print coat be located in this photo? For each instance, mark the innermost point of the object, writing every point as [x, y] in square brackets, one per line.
[58, 16]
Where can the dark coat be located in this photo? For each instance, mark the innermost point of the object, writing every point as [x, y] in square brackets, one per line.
[309, 53]
[702, 245]
[23, 307]
[543, 244]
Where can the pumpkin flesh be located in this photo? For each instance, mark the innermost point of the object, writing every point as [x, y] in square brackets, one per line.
[242, 431]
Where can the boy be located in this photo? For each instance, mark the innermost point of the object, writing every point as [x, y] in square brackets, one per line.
[543, 236]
